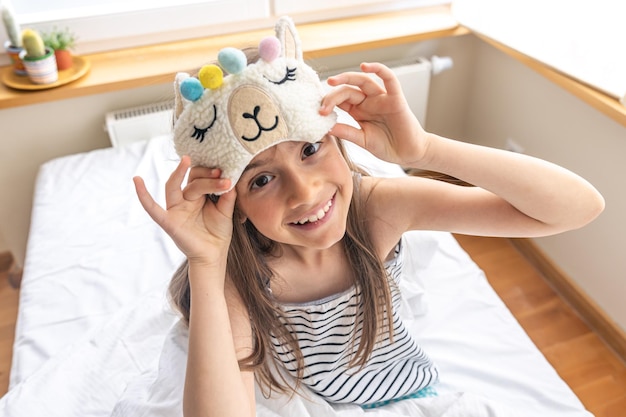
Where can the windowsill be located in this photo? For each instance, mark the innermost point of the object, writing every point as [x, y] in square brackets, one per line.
[157, 64]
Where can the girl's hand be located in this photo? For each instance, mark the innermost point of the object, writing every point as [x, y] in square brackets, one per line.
[388, 128]
[200, 228]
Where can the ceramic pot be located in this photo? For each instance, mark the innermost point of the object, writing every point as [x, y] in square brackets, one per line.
[64, 59]
[42, 70]
[14, 54]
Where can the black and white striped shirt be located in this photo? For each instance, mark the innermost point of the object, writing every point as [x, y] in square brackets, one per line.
[325, 331]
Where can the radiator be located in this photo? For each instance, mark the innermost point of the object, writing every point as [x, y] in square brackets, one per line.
[134, 124]
[144, 122]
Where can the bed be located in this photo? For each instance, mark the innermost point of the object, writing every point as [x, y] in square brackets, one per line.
[95, 335]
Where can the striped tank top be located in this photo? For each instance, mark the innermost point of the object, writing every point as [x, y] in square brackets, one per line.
[325, 330]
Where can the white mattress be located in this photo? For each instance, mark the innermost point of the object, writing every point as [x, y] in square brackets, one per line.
[96, 336]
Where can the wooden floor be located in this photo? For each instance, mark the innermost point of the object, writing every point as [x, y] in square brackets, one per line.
[593, 372]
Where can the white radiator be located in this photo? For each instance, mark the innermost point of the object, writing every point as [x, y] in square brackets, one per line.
[144, 122]
[139, 123]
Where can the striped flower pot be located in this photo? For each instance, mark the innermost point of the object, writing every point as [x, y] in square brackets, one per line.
[14, 54]
[42, 70]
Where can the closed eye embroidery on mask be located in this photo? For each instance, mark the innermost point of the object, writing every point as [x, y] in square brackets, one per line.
[290, 75]
[199, 133]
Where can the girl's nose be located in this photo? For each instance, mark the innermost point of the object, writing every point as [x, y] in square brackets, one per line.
[301, 188]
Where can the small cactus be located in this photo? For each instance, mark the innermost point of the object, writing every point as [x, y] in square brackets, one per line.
[33, 44]
[11, 25]
[59, 39]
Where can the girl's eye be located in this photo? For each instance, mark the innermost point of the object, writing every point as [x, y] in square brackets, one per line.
[310, 149]
[261, 181]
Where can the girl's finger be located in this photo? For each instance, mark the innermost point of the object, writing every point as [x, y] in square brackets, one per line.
[343, 97]
[391, 82]
[226, 203]
[349, 133]
[173, 193]
[200, 187]
[203, 172]
[361, 80]
[151, 207]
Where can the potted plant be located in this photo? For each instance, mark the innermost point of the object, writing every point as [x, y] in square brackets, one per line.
[39, 61]
[13, 46]
[62, 41]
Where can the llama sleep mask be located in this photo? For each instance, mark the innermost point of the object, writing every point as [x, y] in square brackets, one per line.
[223, 121]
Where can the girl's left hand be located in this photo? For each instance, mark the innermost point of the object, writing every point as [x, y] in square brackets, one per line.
[388, 128]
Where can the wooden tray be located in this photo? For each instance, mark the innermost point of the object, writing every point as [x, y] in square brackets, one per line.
[22, 82]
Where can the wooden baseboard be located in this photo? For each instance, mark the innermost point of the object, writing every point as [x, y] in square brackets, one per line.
[589, 311]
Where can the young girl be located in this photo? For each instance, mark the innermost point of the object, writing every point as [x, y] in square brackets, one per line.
[291, 271]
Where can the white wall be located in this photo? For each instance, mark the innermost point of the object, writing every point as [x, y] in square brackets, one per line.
[4, 246]
[510, 100]
[584, 39]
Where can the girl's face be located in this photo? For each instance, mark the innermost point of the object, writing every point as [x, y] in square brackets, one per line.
[298, 193]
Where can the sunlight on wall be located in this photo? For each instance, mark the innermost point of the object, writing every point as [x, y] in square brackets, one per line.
[584, 39]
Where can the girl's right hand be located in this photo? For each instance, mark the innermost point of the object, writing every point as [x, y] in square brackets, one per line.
[387, 126]
[201, 228]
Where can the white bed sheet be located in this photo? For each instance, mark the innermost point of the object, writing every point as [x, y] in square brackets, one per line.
[96, 336]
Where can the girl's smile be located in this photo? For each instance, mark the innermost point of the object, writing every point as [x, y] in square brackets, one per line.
[316, 218]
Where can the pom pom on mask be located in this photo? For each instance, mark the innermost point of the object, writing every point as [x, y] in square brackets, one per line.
[191, 89]
[211, 76]
[232, 60]
[269, 48]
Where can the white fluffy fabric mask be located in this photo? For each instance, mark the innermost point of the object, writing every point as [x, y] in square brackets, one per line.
[224, 121]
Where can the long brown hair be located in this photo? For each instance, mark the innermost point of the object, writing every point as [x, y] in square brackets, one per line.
[248, 270]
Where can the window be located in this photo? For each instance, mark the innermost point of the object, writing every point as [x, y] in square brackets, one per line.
[102, 24]
[346, 7]
[113, 24]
